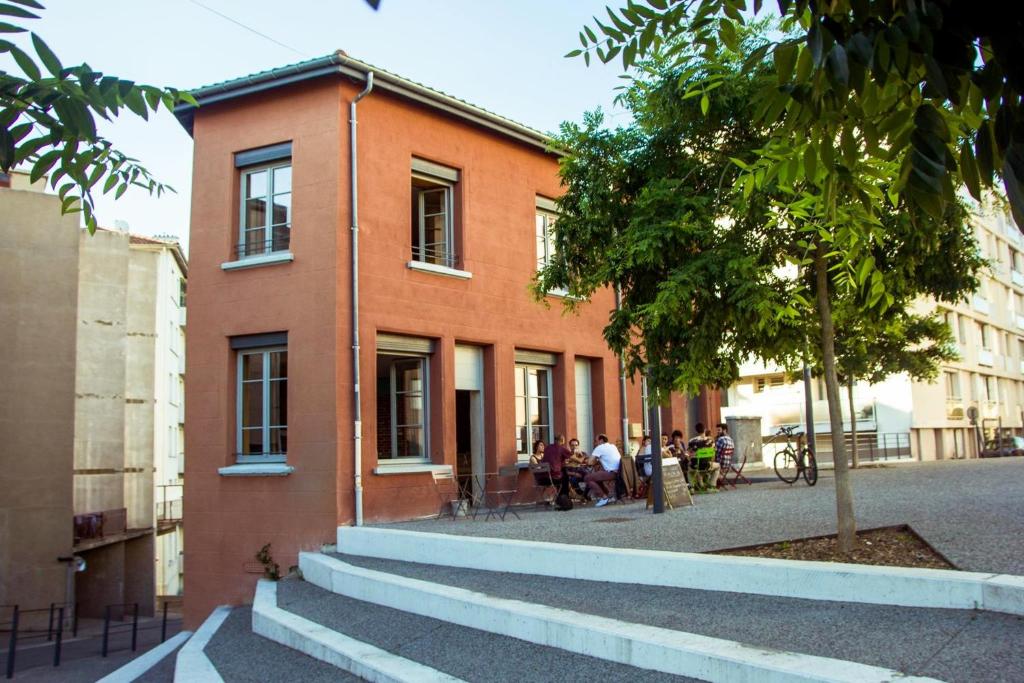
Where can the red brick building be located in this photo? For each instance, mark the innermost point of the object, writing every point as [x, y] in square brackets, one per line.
[459, 367]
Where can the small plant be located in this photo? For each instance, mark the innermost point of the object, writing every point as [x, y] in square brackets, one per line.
[270, 568]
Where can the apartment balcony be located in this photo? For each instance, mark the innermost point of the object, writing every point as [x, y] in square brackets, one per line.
[986, 358]
[182, 315]
[1020, 321]
[96, 529]
[168, 506]
[989, 410]
[981, 304]
[1017, 278]
[955, 409]
[181, 363]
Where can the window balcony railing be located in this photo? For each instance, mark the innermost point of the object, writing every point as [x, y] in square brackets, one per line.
[1017, 278]
[259, 248]
[93, 525]
[981, 304]
[437, 254]
[955, 409]
[168, 504]
[986, 357]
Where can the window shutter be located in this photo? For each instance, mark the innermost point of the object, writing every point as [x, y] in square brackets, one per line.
[255, 341]
[545, 204]
[436, 170]
[402, 344]
[263, 155]
[536, 357]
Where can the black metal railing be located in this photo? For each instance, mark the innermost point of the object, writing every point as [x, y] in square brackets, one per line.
[169, 503]
[871, 446]
[260, 247]
[108, 629]
[54, 631]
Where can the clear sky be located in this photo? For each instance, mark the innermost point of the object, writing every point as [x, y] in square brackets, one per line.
[503, 55]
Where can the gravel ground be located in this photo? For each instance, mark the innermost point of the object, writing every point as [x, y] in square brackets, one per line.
[971, 511]
[952, 645]
[467, 653]
[241, 656]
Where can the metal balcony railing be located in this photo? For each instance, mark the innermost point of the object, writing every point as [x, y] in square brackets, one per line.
[436, 253]
[93, 525]
[258, 248]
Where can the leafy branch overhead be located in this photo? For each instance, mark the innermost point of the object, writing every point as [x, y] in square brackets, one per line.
[48, 116]
[934, 85]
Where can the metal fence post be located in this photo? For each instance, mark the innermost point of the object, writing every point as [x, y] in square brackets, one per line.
[60, 637]
[135, 627]
[49, 626]
[106, 629]
[12, 644]
[163, 624]
[74, 621]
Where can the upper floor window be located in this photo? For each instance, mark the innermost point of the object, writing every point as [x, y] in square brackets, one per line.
[433, 213]
[545, 231]
[262, 397]
[265, 187]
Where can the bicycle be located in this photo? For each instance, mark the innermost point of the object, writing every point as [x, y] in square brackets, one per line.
[791, 463]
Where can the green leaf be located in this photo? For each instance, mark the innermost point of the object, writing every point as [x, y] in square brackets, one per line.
[12, 11]
[44, 164]
[810, 163]
[838, 67]
[814, 42]
[590, 34]
[705, 104]
[969, 171]
[983, 153]
[26, 63]
[785, 59]
[11, 28]
[47, 56]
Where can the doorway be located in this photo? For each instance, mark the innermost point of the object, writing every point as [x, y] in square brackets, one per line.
[468, 444]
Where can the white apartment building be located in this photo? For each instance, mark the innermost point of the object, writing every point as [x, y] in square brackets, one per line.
[903, 419]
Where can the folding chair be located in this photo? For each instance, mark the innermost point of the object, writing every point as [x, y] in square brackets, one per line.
[447, 489]
[737, 474]
[505, 494]
[544, 487]
[700, 470]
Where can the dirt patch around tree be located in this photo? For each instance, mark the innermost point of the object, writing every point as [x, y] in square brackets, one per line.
[890, 546]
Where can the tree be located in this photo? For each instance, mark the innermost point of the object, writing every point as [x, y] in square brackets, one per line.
[728, 234]
[49, 120]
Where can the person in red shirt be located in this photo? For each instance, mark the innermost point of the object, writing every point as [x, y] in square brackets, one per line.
[555, 455]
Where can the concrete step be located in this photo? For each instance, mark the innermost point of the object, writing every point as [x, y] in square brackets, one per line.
[434, 649]
[953, 645]
[578, 631]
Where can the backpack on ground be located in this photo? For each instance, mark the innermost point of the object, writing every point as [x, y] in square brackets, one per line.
[563, 502]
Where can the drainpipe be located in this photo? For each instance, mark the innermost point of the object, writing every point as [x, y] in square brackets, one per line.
[622, 386]
[357, 422]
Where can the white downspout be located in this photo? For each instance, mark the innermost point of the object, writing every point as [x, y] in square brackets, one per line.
[357, 422]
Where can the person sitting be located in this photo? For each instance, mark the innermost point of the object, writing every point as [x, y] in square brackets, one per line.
[643, 457]
[538, 452]
[555, 455]
[607, 456]
[677, 449]
[701, 441]
[576, 468]
[724, 449]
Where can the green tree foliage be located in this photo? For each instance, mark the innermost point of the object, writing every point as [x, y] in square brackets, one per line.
[48, 116]
[729, 240]
[934, 85]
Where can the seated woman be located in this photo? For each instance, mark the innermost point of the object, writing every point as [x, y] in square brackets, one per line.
[538, 452]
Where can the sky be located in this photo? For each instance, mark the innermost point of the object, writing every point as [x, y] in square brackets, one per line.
[502, 55]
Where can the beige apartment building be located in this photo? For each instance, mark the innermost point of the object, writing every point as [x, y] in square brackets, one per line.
[903, 419]
[93, 408]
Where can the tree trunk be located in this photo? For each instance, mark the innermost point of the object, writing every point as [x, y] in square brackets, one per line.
[847, 525]
[853, 424]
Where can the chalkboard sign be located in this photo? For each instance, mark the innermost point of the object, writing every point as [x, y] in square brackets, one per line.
[677, 494]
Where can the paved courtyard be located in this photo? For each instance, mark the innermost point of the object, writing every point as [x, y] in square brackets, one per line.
[972, 511]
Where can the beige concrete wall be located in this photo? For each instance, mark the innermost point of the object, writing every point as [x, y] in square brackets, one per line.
[140, 399]
[100, 372]
[38, 299]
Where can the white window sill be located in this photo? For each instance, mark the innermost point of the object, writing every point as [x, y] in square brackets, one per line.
[410, 468]
[260, 469]
[560, 293]
[261, 260]
[439, 270]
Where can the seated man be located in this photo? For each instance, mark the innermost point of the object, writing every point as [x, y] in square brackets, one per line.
[555, 455]
[699, 442]
[607, 455]
[724, 449]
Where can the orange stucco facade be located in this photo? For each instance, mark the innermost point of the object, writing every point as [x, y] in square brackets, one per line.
[229, 518]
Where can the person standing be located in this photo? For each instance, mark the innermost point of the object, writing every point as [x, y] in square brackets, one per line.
[610, 459]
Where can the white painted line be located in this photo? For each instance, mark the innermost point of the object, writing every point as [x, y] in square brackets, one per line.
[645, 647]
[192, 665]
[320, 642]
[146, 661]
[833, 581]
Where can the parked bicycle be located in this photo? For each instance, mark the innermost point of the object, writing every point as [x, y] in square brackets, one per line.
[793, 461]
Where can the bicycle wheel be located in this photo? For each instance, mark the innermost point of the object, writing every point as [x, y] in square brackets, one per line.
[785, 466]
[810, 468]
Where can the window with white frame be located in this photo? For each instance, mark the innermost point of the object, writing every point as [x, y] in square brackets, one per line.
[953, 386]
[533, 407]
[265, 191]
[262, 398]
[433, 213]
[544, 223]
[402, 400]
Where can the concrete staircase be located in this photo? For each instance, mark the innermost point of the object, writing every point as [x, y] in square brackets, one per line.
[475, 609]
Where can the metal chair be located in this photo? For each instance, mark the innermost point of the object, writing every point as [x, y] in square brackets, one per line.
[544, 487]
[503, 497]
[736, 474]
[449, 500]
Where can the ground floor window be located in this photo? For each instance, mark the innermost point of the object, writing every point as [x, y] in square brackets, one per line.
[533, 407]
[402, 407]
[262, 396]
